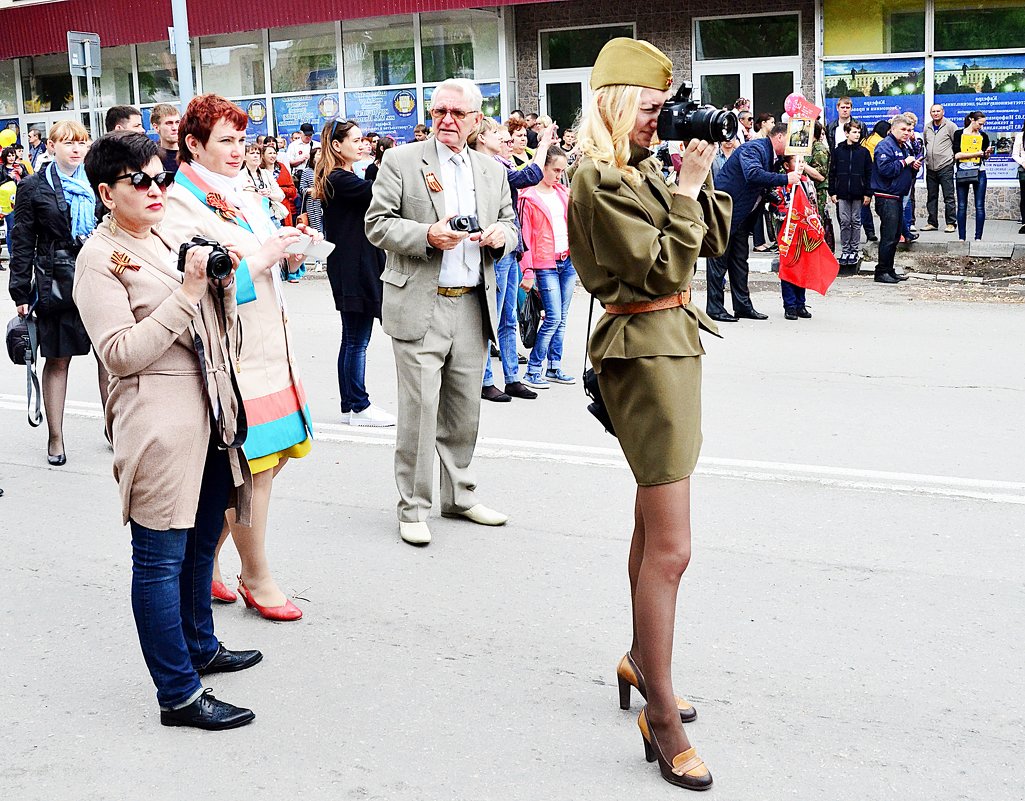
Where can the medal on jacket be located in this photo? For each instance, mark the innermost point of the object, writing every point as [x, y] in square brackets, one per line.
[221, 206]
[121, 262]
[433, 183]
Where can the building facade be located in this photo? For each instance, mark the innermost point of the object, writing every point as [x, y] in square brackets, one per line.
[321, 59]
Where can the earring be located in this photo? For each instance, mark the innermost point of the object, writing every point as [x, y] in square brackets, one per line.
[113, 223]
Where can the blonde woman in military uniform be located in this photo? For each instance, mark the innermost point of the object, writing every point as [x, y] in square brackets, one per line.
[637, 241]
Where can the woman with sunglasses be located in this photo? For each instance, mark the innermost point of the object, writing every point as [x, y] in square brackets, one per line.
[172, 417]
[206, 201]
[55, 210]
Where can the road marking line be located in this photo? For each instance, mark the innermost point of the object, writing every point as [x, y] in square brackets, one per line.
[1010, 492]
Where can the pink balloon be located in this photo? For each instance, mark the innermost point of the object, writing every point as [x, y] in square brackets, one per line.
[791, 103]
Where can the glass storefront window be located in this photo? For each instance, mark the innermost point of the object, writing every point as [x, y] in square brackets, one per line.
[378, 51]
[747, 37]
[578, 47]
[459, 44]
[993, 25]
[8, 98]
[873, 27]
[232, 64]
[303, 58]
[46, 83]
[114, 86]
[158, 73]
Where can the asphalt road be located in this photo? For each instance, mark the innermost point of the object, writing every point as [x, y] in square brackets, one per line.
[850, 626]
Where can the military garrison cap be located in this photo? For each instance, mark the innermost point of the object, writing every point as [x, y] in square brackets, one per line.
[633, 62]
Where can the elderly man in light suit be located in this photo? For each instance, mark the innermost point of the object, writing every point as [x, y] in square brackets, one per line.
[439, 302]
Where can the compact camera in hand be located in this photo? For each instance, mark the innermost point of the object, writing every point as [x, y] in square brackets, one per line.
[465, 223]
[218, 263]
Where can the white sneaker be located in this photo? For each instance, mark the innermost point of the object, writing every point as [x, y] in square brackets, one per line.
[371, 416]
[415, 533]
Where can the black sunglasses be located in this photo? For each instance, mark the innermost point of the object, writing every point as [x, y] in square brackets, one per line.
[143, 181]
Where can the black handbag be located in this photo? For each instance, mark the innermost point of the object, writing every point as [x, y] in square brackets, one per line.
[22, 345]
[967, 174]
[55, 269]
[591, 388]
[529, 312]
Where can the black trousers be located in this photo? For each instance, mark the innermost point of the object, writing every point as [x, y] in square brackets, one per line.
[935, 180]
[734, 263]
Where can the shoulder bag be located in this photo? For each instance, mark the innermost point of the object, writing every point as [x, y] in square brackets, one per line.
[22, 345]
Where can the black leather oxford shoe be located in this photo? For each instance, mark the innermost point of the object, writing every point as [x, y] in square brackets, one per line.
[229, 661]
[886, 278]
[206, 712]
[723, 318]
[750, 314]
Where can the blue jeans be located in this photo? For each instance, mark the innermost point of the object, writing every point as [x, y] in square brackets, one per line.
[793, 295]
[352, 361]
[980, 207]
[556, 288]
[171, 575]
[507, 281]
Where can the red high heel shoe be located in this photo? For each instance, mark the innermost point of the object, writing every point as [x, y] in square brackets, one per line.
[289, 611]
[220, 592]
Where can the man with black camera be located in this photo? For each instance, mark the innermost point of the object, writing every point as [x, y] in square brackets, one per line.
[746, 176]
[443, 213]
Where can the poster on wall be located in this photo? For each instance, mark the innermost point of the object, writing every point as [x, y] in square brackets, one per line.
[994, 85]
[291, 112]
[491, 101]
[878, 88]
[257, 112]
[388, 112]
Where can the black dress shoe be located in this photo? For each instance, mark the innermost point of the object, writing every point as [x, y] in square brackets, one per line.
[206, 712]
[517, 389]
[789, 314]
[886, 278]
[495, 353]
[803, 313]
[521, 359]
[493, 393]
[725, 317]
[57, 461]
[750, 314]
[229, 661]
[872, 238]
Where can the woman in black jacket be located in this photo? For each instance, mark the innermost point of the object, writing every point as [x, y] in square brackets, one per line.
[56, 211]
[850, 188]
[354, 266]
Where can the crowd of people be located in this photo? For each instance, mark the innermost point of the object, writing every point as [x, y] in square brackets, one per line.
[169, 260]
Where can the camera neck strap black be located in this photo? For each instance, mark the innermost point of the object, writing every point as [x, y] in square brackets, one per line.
[217, 421]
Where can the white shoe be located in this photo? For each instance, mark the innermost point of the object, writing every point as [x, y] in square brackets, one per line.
[480, 514]
[415, 533]
[371, 416]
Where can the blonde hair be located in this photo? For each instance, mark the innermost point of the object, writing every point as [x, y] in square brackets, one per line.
[68, 131]
[487, 125]
[604, 132]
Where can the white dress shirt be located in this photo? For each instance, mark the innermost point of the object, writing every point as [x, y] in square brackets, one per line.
[460, 266]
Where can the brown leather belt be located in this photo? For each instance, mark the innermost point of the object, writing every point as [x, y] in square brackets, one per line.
[455, 291]
[641, 306]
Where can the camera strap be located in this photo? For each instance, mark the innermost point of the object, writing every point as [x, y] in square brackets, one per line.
[217, 422]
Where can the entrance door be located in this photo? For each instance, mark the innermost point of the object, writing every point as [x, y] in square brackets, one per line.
[563, 94]
[766, 85]
[42, 122]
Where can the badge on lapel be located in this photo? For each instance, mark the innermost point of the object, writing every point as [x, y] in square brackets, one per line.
[221, 206]
[119, 262]
[433, 183]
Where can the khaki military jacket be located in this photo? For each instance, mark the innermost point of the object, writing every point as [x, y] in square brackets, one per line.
[636, 243]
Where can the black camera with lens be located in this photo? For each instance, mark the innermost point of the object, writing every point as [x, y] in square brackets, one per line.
[467, 223]
[682, 119]
[218, 263]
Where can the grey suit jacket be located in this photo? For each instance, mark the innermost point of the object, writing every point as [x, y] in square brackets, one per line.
[402, 210]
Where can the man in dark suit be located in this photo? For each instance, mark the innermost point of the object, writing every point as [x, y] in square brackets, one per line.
[746, 176]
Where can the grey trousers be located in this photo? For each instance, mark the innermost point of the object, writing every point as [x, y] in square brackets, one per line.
[439, 408]
[934, 180]
[849, 212]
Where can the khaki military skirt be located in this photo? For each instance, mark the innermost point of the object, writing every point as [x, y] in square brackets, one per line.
[655, 406]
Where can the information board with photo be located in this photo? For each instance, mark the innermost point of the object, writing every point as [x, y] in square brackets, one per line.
[491, 101]
[879, 88]
[291, 112]
[994, 85]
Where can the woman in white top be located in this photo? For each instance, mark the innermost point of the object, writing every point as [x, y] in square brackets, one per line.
[546, 260]
[254, 178]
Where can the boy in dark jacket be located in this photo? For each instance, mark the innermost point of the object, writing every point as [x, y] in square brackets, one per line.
[850, 188]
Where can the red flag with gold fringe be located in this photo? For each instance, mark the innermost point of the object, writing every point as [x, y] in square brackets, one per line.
[804, 257]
